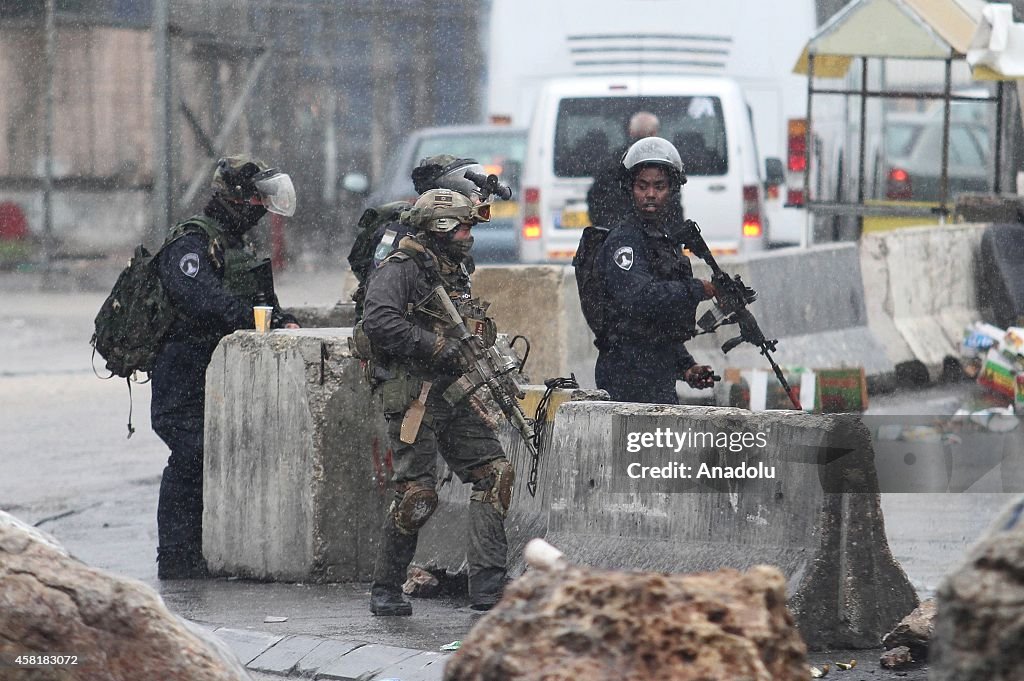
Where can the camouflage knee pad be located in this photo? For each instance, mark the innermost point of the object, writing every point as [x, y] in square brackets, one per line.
[497, 480]
[412, 507]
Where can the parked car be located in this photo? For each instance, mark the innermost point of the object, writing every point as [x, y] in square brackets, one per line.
[499, 149]
[912, 165]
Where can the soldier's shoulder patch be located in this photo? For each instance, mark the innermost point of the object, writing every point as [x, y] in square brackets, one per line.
[189, 264]
[623, 257]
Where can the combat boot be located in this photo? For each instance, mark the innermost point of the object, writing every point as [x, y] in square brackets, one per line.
[486, 588]
[388, 601]
[180, 564]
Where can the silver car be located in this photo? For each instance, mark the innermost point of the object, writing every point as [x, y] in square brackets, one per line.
[499, 149]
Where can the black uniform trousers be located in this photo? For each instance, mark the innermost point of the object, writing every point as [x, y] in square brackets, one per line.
[177, 410]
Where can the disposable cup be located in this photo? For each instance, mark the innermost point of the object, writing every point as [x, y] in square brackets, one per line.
[261, 315]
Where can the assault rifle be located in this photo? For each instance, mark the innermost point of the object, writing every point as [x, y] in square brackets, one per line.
[731, 302]
[490, 367]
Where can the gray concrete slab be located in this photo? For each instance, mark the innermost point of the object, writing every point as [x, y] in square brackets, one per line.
[424, 666]
[283, 656]
[324, 654]
[363, 662]
[247, 645]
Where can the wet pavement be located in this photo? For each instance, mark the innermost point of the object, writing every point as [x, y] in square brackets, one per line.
[68, 467]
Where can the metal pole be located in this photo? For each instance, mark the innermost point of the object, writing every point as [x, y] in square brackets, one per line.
[161, 122]
[1000, 112]
[809, 152]
[51, 64]
[944, 178]
[862, 151]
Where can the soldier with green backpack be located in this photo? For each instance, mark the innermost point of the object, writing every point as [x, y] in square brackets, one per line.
[212, 277]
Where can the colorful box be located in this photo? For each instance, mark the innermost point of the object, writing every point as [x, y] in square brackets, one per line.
[998, 374]
[821, 391]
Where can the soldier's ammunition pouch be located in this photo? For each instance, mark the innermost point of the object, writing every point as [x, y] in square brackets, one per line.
[398, 392]
[359, 344]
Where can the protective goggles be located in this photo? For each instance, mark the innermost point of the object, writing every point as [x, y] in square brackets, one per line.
[464, 214]
[276, 191]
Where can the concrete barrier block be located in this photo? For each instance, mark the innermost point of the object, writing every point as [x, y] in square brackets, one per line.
[443, 539]
[921, 290]
[818, 519]
[295, 458]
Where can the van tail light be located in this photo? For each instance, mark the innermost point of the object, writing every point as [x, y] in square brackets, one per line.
[752, 224]
[796, 145]
[898, 186]
[531, 214]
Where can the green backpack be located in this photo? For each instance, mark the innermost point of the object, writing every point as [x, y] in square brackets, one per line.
[134, 319]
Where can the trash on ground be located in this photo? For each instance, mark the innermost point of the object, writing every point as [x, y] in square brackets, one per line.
[819, 672]
[454, 645]
[846, 665]
[273, 619]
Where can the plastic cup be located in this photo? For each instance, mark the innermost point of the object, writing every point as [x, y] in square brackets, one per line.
[261, 315]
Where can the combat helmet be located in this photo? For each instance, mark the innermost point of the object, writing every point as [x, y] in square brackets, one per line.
[445, 171]
[443, 210]
[654, 151]
[241, 177]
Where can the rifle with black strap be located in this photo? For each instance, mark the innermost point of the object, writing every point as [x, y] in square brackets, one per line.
[731, 301]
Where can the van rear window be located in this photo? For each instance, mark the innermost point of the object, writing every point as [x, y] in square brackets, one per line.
[592, 130]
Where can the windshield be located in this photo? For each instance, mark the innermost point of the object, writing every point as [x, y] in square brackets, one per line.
[501, 155]
[592, 130]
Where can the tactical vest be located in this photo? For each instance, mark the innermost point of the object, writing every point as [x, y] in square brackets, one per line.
[399, 378]
[245, 275]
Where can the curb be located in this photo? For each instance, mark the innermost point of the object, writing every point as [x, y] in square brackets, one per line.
[314, 657]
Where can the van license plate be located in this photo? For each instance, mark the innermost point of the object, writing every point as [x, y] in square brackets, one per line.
[574, 218]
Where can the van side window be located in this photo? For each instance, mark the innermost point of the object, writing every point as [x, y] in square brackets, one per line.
[590, 130]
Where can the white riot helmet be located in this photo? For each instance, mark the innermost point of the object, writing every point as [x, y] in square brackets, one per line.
[443, 210]
[654, 151]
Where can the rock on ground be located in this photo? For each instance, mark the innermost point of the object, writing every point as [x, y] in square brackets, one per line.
[635, 626]
[979, 626]
[914, 631]
[120, 630]
[896, 658]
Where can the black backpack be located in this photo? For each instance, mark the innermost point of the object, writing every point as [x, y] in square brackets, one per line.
[363, 251]
[590, 281]
[134, 319]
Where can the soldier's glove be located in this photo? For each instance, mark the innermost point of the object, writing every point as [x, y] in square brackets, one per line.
[700, 376]
[448, 357]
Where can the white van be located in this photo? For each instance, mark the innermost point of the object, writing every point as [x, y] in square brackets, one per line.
[580, 123]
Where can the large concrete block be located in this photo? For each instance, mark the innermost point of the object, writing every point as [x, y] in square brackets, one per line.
[443, 540]
[818, 519]
[295, 458]
[921, 290]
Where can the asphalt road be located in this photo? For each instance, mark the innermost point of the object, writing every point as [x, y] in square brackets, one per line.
[66, 465]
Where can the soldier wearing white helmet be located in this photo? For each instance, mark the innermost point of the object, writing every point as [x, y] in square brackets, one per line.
[650, 294]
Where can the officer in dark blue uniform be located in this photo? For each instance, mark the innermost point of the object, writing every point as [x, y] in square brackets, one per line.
[652, 294]
[213, 279]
